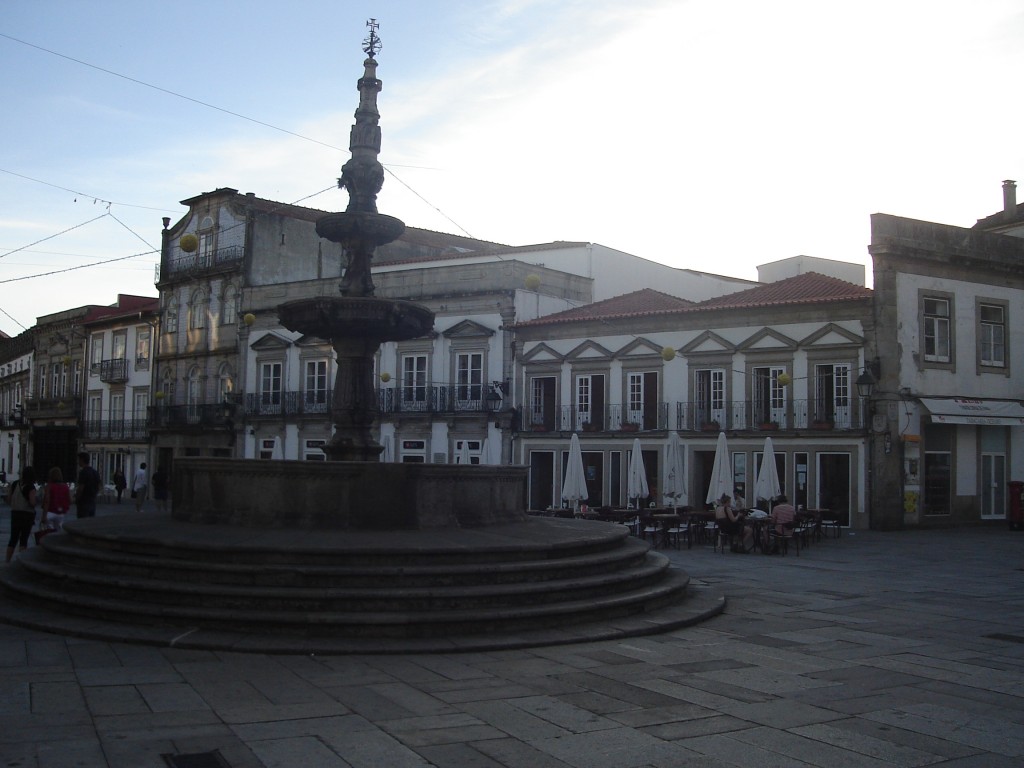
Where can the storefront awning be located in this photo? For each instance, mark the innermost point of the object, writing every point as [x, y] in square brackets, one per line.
[966, 410]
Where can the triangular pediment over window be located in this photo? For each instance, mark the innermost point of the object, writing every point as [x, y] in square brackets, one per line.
[639, 348]
[589, 350]
[708, 342]
[467, 329]
[542, 353]
[832, 335]
[270, 341]
[767, 338]
[311, 341]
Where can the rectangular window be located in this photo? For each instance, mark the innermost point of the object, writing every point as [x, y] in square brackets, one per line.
[270, 385]
[414, 381]
[77, 378]
[41, 382]
[832, 395]
[542, 403]
[313, 450]
[315, 394]
[936, 330]
[142, 345]
[993, 335]
[96, 361]
[709, 399]
[120, 345]
[414, 452]
[642, 399]
[63, 379]
[95, 408]
[469, 373]
[769, 396]
[590, 402]
[472, 447]
[55, 381]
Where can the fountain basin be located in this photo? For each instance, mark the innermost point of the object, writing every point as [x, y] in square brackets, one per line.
[354, 495]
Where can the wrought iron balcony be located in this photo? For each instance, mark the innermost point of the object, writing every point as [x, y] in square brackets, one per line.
[195, 416]
[116, 429]
[288, 403]
[697, 417]
[438, 398]
[180, 263]
[114, 371]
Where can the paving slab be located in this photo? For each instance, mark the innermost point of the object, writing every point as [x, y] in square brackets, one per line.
[865, 651]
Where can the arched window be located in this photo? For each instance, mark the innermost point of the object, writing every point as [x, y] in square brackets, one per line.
[197, 311]
[194, 386]
[229, 305]
[171, 318]
[168, 388]
[225, 382]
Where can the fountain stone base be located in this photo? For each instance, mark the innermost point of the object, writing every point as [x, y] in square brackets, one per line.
[305, 495]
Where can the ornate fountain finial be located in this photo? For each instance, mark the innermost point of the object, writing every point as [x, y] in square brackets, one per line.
[371, 45]
[363, 175]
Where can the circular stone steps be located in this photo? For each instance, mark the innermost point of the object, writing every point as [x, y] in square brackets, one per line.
[510, 585]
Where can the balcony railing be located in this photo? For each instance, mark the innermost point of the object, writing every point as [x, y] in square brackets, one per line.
[288, 403]
[190, 416]
[116, 429]
[697, 417]
[114, 371]
[180, 263]
[436, 398]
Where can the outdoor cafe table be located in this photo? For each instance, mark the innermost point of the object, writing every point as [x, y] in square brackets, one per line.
[666, 521]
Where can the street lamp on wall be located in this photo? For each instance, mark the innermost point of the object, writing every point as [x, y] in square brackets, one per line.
[866, 384]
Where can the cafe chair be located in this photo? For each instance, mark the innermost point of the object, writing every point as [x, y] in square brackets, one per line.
[723, 538]
[779, 542]
[677, 531]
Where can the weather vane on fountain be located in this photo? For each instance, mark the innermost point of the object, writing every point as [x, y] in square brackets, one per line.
[371, 45]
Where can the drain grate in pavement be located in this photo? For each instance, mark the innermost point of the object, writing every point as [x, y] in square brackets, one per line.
[197, 760]
[1007, 638]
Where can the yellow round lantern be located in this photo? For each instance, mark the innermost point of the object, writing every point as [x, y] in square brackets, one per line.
[160, 395]
[785, 379]
[532, 281]
[668, 353]
[188, 243]
[385, 377]
[248, 318]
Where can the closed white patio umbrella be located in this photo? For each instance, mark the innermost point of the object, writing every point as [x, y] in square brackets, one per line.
[463, 457]
[636, 482]
[674, 489]
[721, 472]
[574, 487]
[767, 485]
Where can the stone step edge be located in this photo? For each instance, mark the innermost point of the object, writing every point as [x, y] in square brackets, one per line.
[64, 546]
[675, 581]
[654, 564]
[702, 603]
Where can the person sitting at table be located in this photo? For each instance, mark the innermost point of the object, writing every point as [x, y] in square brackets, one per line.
[783, 514]
[733, 523]
[738, 502]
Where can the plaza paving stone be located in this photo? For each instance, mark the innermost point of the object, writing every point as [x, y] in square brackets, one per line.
[876, 649]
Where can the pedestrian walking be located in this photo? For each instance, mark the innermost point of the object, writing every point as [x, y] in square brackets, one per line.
[140, 486]
[56, 500]
[120, 483]
[22, 497]
[86, 487]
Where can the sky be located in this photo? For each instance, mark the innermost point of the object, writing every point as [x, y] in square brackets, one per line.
[705, 134]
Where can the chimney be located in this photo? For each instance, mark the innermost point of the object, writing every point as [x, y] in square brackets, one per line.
[1010, 199]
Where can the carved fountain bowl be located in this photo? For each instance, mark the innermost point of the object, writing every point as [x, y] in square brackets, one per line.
[369, 228]
[354, 317]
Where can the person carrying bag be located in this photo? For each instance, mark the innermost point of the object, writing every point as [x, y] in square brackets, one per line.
[22, 497]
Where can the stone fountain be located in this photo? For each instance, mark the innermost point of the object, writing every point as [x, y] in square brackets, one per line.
[350, 554]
